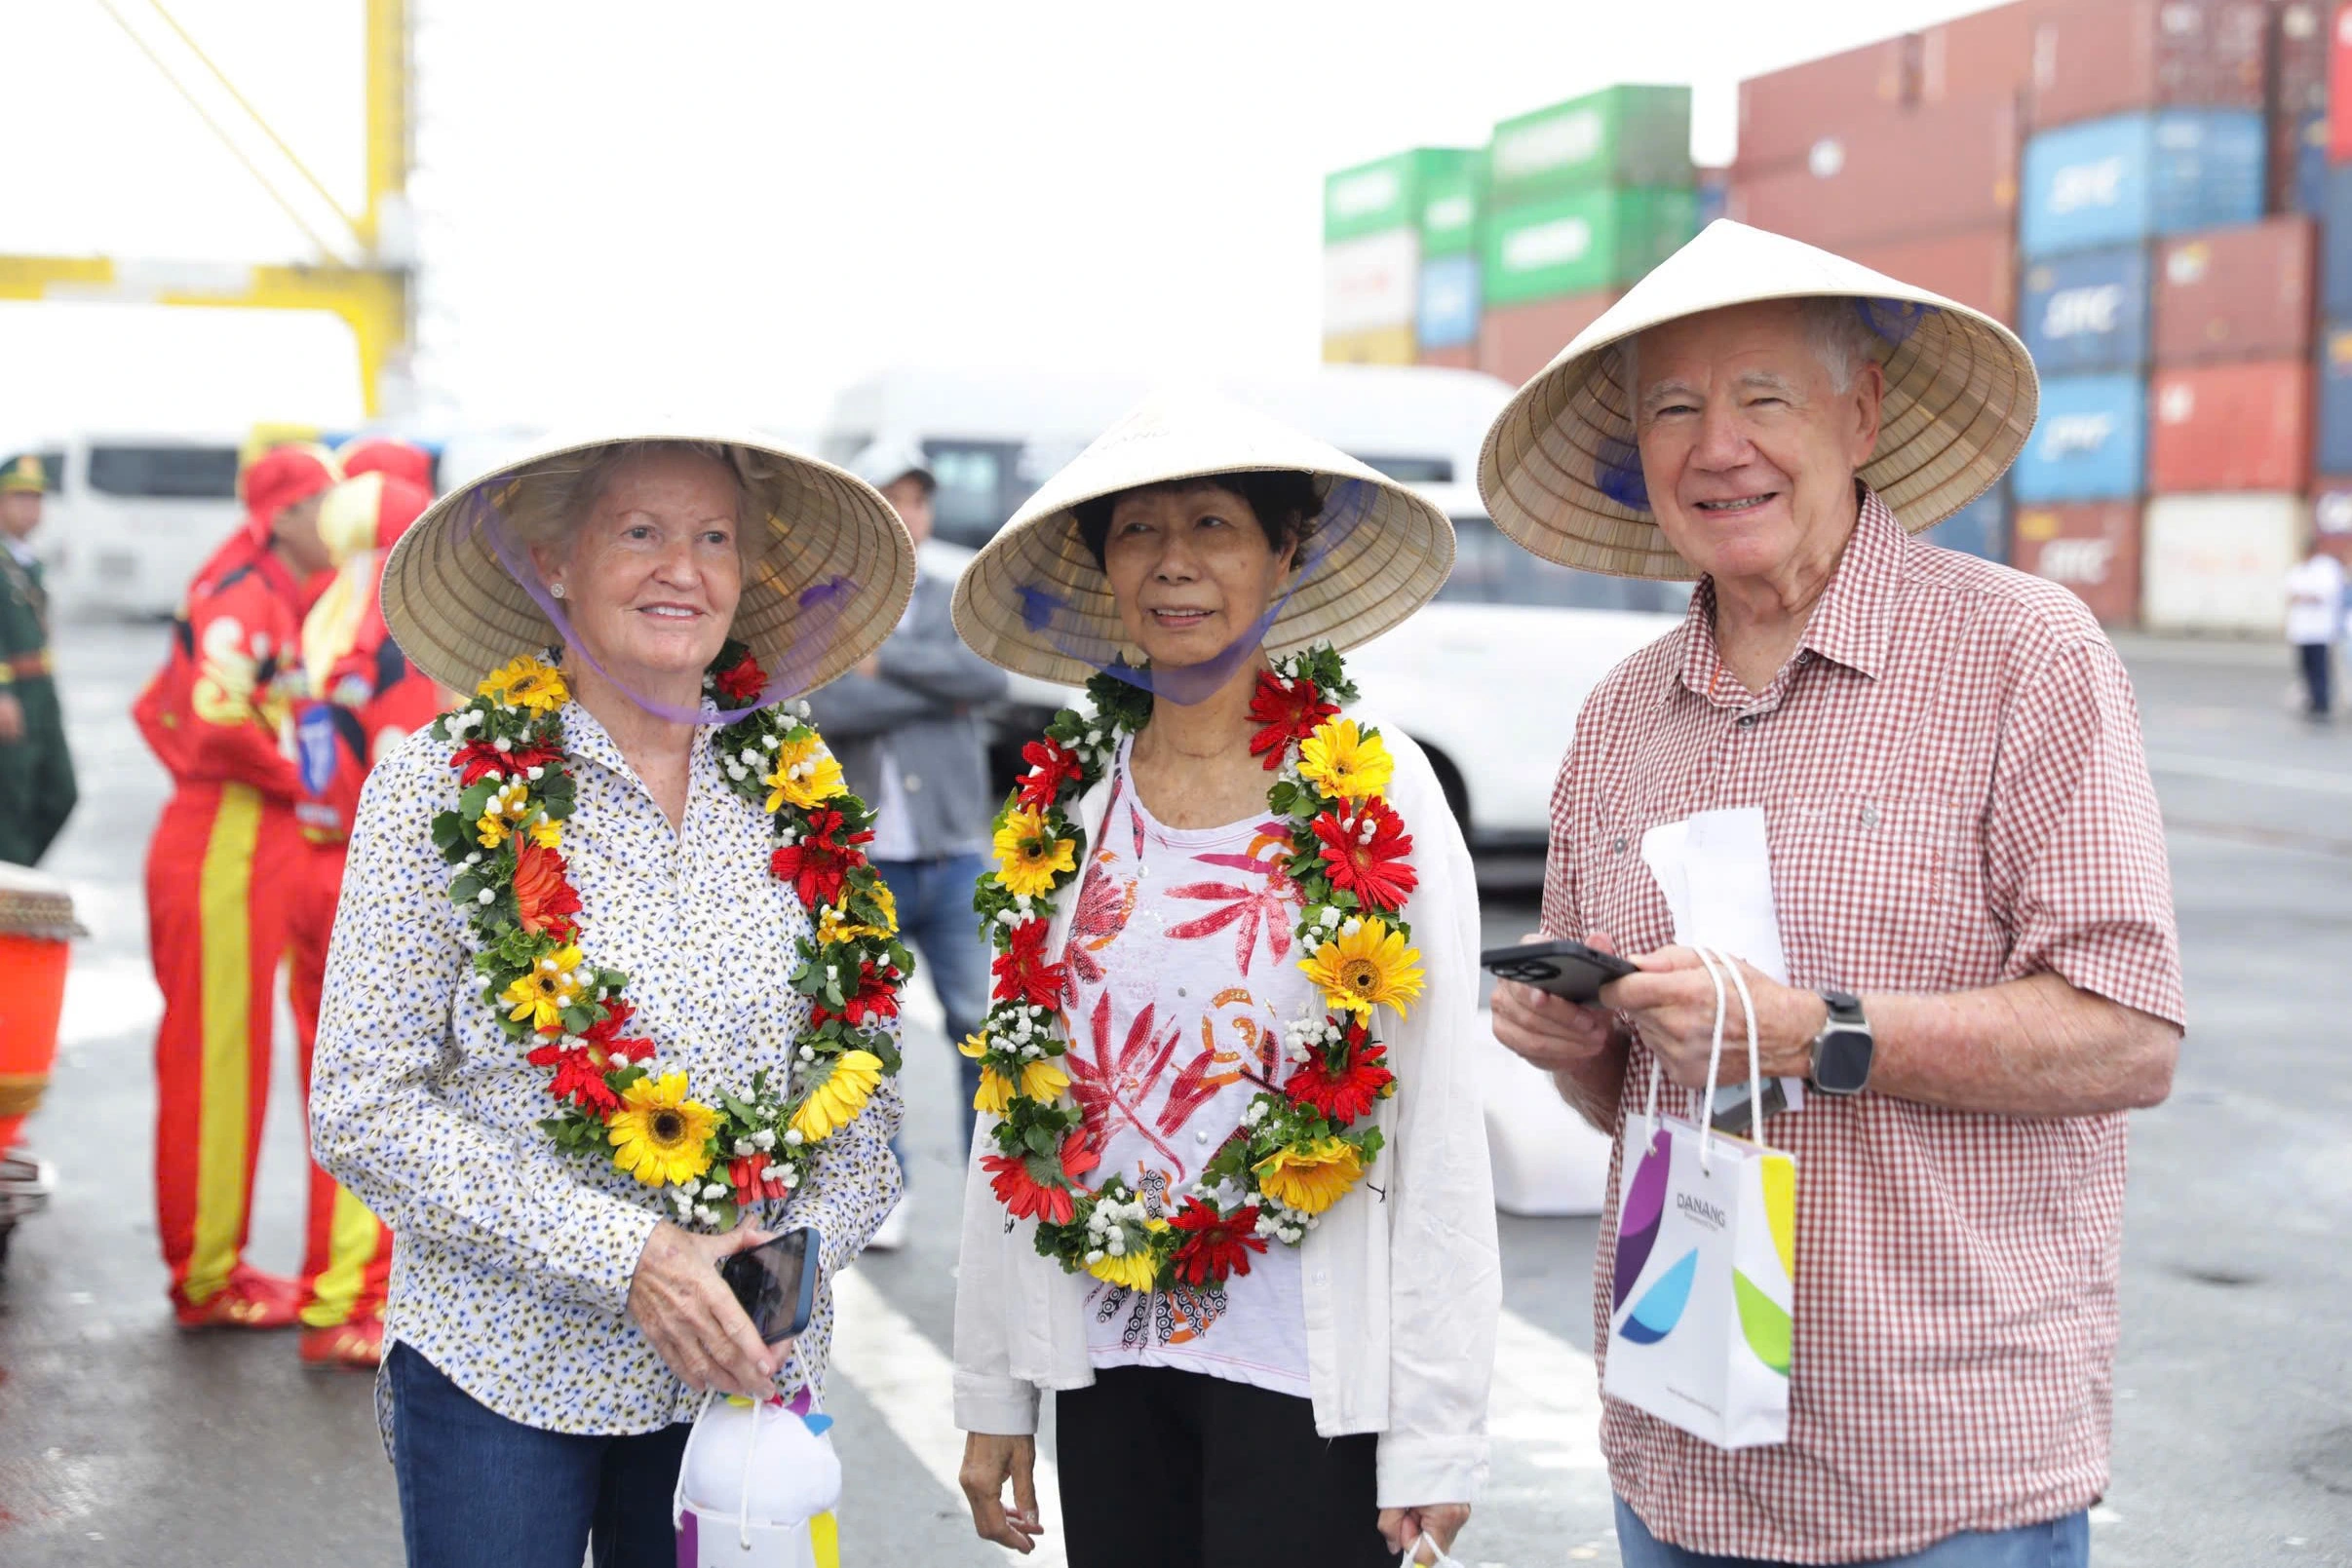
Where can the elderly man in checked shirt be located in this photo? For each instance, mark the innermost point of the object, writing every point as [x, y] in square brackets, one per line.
[1968, 872]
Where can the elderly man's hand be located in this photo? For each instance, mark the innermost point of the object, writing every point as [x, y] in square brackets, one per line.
[1672, 1002]
[1403, 1528]
[679, 1301]
[1550, 1031]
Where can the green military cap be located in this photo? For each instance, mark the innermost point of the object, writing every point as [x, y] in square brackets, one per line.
[24, 472]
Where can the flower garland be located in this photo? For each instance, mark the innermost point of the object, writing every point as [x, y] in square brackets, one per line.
[1297, 1152]
[618, 1101]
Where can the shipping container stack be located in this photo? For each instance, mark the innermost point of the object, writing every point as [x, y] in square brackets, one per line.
[2326, 192]
[1393, 232]
[1903, 155]
[1581, 200]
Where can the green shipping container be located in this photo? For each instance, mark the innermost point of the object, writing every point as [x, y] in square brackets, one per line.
[1573, 245]
[1619, 135]
[1387, 194]
[1450, 209]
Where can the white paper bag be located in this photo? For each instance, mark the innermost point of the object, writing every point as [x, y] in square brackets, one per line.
[1704, 1300]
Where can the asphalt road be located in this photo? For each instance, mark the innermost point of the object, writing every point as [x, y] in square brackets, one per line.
[124, 1441]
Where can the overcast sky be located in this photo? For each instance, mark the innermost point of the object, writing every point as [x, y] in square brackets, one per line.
[739, 206]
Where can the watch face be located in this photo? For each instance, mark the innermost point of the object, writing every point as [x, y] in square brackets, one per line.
[1843, 1063]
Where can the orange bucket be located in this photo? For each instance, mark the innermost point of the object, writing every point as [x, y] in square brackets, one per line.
[36, 919]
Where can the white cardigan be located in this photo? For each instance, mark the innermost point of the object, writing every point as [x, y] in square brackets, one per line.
[1403, 1281]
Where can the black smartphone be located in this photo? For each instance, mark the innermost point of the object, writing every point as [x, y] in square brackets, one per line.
[776, 1284]
[1562, 967]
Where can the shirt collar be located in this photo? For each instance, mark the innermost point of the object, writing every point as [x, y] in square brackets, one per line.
[1851, 623]
[19, 549]
[589, 740]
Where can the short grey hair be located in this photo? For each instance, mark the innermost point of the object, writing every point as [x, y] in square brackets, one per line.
[547, 502]
[1837, 326]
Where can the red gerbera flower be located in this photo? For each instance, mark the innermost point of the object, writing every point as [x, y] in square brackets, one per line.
[1021, 972]
[741, 681]
[1050, 765]
[1346, 1092]
[1214, 1245]
[1034, 1188]
[543, 897]
[479, 759]
[750, 1186]
[1287, 714]
[606, 1032]
[1364, 854]
[580, 1071]
[816, 865]
[876, 997]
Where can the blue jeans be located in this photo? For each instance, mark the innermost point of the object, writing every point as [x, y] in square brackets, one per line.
[2060, 1544]
[935, 916]
[480, 1491]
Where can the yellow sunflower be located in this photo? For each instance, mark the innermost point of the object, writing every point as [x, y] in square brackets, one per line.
[501, 811]
[1133, 1272]
[1345, 763]
[660, 1136]
[540, 997]
[526, 684]
[1029, 857]
[1310, 1178]
[806, 773]
[1041, 1081]
[1368, 969]
[836, 1101]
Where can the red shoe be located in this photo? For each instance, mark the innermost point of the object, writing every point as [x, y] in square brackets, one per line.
[251, 1299]
[356, 1345]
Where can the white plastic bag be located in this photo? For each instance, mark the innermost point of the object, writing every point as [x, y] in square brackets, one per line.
[1438, 1557]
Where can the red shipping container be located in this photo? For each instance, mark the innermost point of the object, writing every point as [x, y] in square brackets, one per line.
[1516, 341]
[2097, 58]
[1977, 268]
[2240, 293]
[1781, 112]
[2093, 549]
[1460, 357]
[1940, 168]
[2230, 427]
[1986, 53]
[2300, 47]
[2339, 85]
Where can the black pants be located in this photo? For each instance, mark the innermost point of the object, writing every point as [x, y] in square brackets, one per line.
[1161, 1469]
[2315, 676]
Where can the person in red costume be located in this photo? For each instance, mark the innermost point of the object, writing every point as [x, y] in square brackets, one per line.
[380, 454]
[218, 870]
[362, 697]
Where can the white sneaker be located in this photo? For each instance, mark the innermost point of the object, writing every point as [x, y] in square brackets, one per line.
[890, 1234]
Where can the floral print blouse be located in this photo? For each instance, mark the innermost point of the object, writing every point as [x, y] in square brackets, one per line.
[511, 1260]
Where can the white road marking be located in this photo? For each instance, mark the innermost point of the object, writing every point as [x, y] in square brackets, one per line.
[2318, 781]
[1545, 1410]
[904, 1377]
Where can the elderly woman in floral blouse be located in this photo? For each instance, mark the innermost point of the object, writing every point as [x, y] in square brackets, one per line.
[612, 992]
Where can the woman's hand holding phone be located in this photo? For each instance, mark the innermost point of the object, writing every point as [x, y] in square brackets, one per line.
[679, 1300]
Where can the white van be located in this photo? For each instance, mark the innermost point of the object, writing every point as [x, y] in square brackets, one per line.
[135, 515]
[1488, 678]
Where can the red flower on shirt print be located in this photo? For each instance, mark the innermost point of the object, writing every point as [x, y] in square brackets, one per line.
[1104, 905]
[1206, 1075]
[1270, 902]
[1110, 1089]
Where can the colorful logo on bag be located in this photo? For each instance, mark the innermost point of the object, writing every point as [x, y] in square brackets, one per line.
[1763, 1323]
[315, 748]
[1637, 1219]
[1660, 1308]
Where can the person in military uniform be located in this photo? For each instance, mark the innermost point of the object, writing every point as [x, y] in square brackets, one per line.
[36, 771]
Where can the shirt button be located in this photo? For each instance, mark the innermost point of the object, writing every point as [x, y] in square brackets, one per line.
[1617, 846]
[1746, 721]
[912, 783]
[1201, 1136]
[1869, 816]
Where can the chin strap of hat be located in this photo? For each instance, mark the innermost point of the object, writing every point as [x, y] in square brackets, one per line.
[1344, 510]
[819, 609]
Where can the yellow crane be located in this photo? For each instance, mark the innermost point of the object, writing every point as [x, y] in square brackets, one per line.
[372, 295]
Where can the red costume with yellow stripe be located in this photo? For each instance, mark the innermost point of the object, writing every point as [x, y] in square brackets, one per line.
[218, 873]
[363, 697]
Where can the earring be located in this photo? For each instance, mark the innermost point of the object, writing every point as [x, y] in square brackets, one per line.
[556, 589]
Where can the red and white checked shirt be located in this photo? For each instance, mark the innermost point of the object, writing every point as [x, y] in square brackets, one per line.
[1956, 795]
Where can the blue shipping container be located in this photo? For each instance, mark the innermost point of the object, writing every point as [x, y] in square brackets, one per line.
[2087, 312]
[2336, 243]
[2334, 444]
[2311, 165]
[1448, 312]
[1980, 528]
[2120, 181]
[2090, 444]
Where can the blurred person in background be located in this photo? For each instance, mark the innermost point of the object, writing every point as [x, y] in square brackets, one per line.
[2315, 619]
[907, 725]
[1967, 874]
[362, 698]
[219, 871]
[36, 769]
[1241, 1224]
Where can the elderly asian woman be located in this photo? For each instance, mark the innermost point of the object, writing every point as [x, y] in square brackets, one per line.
[1229, 1198]
[612, 992]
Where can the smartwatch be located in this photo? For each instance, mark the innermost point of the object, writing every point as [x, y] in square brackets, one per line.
[1843, 1050]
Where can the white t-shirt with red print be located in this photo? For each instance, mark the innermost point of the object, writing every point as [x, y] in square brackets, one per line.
[1182, 970]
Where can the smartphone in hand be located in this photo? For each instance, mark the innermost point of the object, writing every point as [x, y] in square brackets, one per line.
[776, 1284]
[1565, 969]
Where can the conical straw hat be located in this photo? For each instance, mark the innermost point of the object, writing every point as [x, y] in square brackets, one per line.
[1034, 602]
[833, 582]
[1560, 471]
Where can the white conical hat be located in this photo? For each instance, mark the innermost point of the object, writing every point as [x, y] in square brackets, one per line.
[459, 613]
[1366, 572]
[1960, 400]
